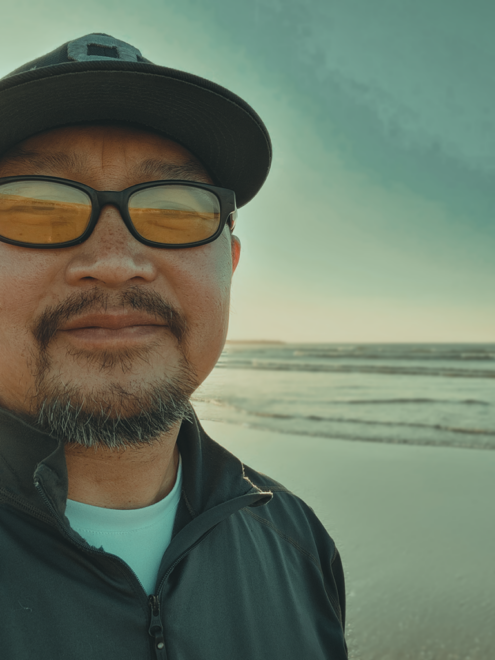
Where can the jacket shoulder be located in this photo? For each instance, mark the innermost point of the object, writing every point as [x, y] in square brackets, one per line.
[288, 516]
[286, 509]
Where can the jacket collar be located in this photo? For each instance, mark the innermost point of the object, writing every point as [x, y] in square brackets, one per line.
[211, 475]
[22, 450]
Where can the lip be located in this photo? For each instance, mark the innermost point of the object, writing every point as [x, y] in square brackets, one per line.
[112, 321]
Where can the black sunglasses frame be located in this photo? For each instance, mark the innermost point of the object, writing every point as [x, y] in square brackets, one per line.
[120, 199]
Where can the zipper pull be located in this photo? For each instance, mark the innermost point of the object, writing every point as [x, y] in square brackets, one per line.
[156, 629]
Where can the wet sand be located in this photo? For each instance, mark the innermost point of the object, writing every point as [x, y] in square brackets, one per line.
[416, 530]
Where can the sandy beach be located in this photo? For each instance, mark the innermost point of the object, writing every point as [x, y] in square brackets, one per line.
[416, 530]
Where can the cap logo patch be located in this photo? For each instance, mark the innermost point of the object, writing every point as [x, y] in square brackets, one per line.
[93, 47]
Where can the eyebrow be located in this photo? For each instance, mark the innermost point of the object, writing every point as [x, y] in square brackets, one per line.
[151, 168]
[190, 170]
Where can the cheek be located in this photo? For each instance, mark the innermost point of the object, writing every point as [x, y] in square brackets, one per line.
[25, 280]
[203, 289]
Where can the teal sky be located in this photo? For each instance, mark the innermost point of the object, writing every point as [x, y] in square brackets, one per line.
[377, 220]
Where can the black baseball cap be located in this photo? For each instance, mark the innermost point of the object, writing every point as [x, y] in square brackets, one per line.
[100, 78]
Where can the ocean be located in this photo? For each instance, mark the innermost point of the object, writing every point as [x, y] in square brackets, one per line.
[423, 394]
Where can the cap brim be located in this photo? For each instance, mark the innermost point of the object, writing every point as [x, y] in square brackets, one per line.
[218, 127]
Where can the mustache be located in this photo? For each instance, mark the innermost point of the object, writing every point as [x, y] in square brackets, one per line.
[135, 298]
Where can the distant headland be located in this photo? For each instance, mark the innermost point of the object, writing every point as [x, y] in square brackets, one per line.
[254, 341]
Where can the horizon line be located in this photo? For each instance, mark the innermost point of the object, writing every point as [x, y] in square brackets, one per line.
[280, 341]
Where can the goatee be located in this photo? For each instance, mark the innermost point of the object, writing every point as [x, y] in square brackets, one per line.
[118, 416]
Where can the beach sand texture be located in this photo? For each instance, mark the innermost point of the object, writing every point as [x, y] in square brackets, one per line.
[415, 526]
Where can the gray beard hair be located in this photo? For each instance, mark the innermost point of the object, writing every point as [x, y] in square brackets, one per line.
[113, 417]
[91, 421]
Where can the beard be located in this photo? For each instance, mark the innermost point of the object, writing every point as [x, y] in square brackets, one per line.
[116, 416]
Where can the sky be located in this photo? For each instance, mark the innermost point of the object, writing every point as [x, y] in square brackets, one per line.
[376, 223]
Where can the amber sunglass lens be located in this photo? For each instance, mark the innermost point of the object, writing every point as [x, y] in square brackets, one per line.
[175, 214]
[42, 212]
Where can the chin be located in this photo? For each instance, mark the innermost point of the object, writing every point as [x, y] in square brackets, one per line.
[116, 415]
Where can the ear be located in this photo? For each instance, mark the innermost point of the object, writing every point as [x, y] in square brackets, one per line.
[235, 246]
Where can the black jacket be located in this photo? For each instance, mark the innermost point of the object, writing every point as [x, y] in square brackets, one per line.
[250, 574]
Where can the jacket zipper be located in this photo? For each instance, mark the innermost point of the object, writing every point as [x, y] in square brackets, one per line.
[156, 628]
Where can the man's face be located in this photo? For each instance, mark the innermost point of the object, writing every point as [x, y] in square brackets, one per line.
[179, 298]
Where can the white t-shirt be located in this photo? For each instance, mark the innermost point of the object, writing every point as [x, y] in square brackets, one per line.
[138, 536]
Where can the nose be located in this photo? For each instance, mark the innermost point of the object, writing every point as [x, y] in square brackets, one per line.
[111, 255]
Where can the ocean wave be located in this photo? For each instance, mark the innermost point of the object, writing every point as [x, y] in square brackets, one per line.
[343, 420]
[443, 356]
[386, 352]
[399, 370]
[368, 422]
[468, 402]
[436, 395]
[430, 442]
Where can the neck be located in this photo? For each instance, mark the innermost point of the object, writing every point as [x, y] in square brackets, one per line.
[132, 478]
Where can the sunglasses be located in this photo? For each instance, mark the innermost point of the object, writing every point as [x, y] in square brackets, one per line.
[48, 212]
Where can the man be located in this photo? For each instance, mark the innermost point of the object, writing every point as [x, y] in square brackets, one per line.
[125, 531]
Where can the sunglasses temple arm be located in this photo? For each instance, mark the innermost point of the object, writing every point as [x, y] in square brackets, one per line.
[232, 220]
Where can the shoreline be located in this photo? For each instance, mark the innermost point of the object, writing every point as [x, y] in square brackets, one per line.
[415, 528]
[348, 438]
